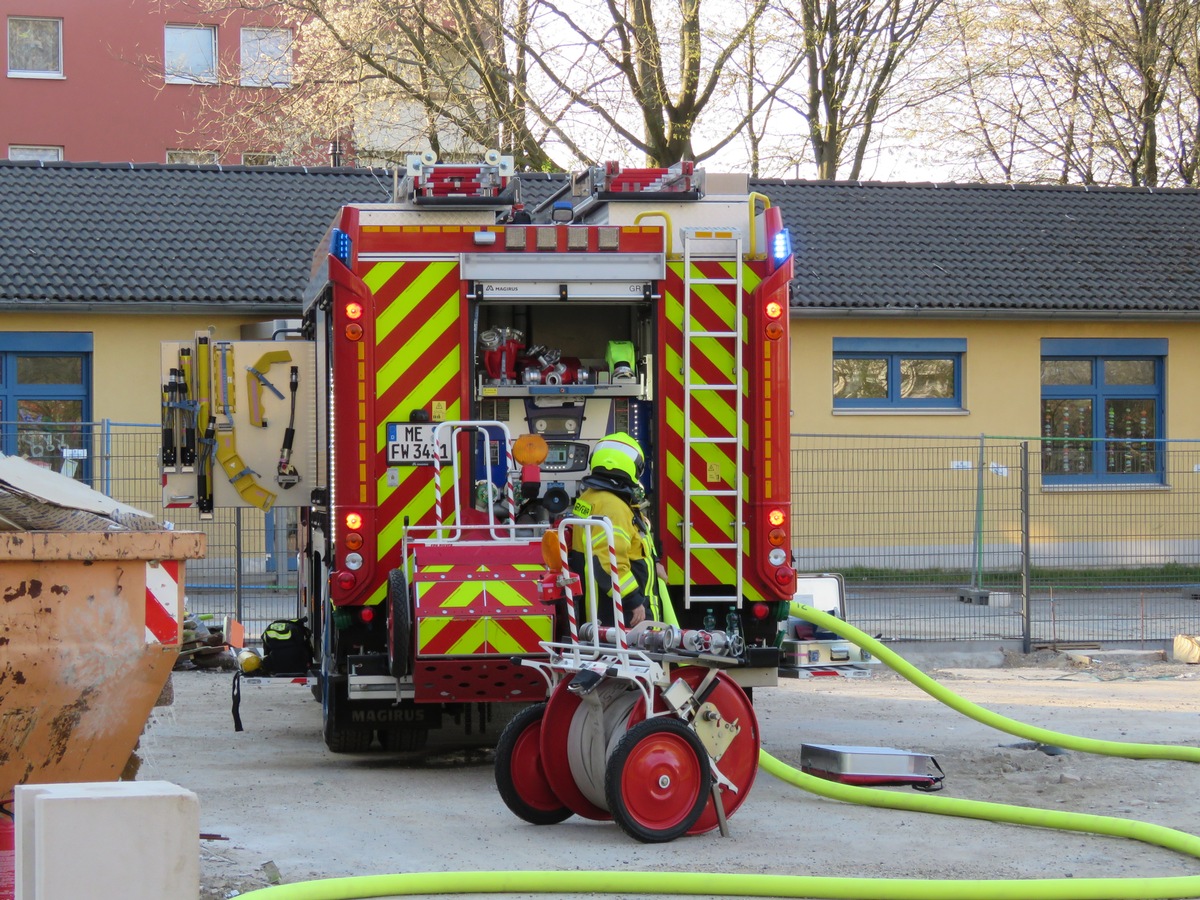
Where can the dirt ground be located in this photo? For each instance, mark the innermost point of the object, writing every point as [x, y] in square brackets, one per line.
[276, 806]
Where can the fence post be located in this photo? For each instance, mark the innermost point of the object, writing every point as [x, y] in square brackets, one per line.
[1026, 623]
[977, 576]
[105, 457]
[237, 567]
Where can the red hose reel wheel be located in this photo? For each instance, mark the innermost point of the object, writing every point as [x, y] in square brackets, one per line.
[739, 762]
[521, 774]
[555, 740]
[657, 780]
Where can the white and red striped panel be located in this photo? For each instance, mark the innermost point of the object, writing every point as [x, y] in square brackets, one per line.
[163, 612]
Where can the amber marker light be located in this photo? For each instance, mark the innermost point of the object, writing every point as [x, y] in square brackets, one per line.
[354, 332]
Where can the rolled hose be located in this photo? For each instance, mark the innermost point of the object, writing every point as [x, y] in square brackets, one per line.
[708, 884]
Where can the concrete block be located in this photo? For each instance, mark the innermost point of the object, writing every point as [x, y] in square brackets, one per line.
[1186, 648]
[126, 840]
[973, 595]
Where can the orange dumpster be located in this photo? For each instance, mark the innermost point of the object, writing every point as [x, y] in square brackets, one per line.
[91, 603]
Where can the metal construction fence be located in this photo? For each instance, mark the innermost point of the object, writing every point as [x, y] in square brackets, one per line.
[939, 539]
[250, 567]
[951, 538]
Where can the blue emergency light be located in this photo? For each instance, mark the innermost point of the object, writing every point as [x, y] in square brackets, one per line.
[781, 247]
[339, 245]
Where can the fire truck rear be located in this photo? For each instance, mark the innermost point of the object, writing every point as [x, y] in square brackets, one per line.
[470, 349]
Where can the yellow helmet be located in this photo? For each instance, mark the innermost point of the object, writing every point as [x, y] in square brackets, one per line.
[619, 452]
[248, 661]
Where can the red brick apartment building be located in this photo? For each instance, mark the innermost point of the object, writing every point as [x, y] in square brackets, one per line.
[126, 80]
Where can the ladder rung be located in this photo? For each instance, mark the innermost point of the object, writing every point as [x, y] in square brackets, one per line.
[713, 440]
[692, 386]
[714, 546]
[712, 334]
[712, 281]
[700, 492]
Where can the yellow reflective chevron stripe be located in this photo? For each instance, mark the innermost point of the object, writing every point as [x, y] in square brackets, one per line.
[506, 594]
[471, 640]
[462, 595]
[500, 640]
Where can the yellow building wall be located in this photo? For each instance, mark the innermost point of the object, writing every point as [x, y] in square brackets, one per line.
[125, 354]
[1001, 374]
[883, 499]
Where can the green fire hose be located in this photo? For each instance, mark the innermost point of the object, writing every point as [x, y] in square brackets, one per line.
[707, 884]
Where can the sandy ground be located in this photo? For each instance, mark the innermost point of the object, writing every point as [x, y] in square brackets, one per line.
[273, 800]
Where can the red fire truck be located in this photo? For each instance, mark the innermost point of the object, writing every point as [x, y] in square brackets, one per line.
[465, 347]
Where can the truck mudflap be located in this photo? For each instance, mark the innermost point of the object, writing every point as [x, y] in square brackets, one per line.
[474, 612]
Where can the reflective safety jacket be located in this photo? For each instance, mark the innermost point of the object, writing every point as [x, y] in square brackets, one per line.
[627, 541]
[655, 588]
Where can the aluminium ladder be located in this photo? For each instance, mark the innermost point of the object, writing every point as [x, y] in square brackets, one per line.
[694, 239]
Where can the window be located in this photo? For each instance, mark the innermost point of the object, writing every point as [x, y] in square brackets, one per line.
[192, 157]
[45, 397]
[190, 55]
[897, 374]
[1102, 411]
[45, 154]
[266, 57]
[34, 47]
[261, 159]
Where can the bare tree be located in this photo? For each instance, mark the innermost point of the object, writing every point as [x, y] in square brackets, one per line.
[1072, 90]
[855, 51]
[532, 76]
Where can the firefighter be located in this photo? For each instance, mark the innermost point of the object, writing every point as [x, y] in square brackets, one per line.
[609, 492]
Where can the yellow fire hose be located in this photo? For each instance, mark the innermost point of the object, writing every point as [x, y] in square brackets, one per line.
[707, 884]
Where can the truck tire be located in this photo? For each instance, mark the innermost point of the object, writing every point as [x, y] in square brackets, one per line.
[404, 738]
[399, 625]
[340, 738]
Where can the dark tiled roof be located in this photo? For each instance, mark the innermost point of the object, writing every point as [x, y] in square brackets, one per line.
[976, 248]
[148, 236]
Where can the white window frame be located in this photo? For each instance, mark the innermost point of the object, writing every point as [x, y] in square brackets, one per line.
[35, 152]
[209, 157]
[189, 76]
[34, 73]
[263, 70]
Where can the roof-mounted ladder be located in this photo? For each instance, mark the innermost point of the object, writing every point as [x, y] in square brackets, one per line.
[694, 390]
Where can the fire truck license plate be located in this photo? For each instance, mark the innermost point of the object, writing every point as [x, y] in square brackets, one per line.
[412, 445]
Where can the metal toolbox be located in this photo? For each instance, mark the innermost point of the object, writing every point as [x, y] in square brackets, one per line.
[869, 765]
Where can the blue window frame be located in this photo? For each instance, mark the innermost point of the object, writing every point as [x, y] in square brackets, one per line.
[898, 373]
[45, 397]
[1102, 403]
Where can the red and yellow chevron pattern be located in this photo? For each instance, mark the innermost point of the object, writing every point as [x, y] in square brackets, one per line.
[419, 336]
[713, 415]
